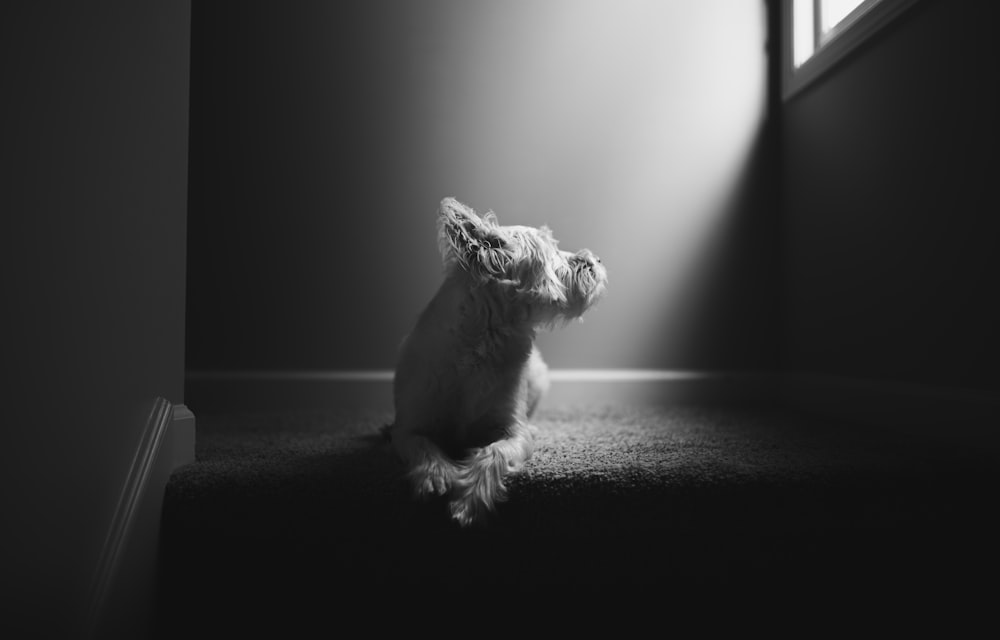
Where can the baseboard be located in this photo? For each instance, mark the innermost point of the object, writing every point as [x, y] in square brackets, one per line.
[920, 410]
[923, 411]
[123, 587]
[583, 387]
[212, 391]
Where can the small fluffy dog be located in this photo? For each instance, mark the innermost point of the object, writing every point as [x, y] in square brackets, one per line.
[469, 375]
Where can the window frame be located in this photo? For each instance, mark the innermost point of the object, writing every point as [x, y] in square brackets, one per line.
[858, 26]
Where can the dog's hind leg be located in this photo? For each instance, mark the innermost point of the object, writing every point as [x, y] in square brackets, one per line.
[480, 483]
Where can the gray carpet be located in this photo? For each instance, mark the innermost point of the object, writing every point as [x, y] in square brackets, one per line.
[284, 509]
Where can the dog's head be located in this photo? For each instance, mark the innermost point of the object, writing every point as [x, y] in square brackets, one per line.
[524, 264]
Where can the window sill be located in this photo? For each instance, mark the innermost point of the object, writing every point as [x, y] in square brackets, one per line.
[794, 80]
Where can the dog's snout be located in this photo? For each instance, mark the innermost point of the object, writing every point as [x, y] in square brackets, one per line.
[588, 256]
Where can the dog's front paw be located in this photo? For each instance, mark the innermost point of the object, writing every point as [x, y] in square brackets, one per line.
[432, 478]
[478, 489]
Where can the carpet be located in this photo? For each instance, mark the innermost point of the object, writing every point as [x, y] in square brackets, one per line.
[309, 511]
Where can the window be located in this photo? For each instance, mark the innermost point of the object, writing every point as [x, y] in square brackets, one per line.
[819, 33]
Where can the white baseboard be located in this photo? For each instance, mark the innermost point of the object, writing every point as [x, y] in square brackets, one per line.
[582, 387]
[277, 390]
[920, 410]
[122, 590]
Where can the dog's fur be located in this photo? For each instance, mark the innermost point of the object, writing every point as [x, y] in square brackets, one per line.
[469, 376]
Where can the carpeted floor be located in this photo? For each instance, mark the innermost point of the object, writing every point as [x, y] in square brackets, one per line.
[309, 511]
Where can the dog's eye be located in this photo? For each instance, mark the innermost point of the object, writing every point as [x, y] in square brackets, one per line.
[494, 242]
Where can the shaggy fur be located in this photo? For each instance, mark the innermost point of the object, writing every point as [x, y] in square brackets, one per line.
[469, 376]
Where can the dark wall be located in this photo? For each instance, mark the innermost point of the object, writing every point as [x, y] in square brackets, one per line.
[93, 157]
[288, 157]
[890, 202]
[325, 134]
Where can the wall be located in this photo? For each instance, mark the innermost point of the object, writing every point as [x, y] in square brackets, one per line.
[325, 134]
[890, 262]
[93, 159]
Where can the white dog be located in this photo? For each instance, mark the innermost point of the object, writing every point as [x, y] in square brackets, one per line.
[469, 376]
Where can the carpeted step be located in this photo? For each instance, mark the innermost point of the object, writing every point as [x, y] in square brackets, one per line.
[307, 515]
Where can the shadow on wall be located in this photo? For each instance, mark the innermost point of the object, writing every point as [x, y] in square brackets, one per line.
[893, 278]
[324, 136]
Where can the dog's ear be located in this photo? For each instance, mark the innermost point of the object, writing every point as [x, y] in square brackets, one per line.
[472, 243]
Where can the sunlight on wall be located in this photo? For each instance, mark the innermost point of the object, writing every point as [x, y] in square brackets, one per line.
[624, 126]
[329, 132]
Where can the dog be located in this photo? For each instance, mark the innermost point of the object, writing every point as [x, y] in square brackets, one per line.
[469, 377]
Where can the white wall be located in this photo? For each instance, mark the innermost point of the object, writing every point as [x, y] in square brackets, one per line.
[324, 136]
[623, 125]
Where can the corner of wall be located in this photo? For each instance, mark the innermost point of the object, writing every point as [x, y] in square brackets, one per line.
[123, 591]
